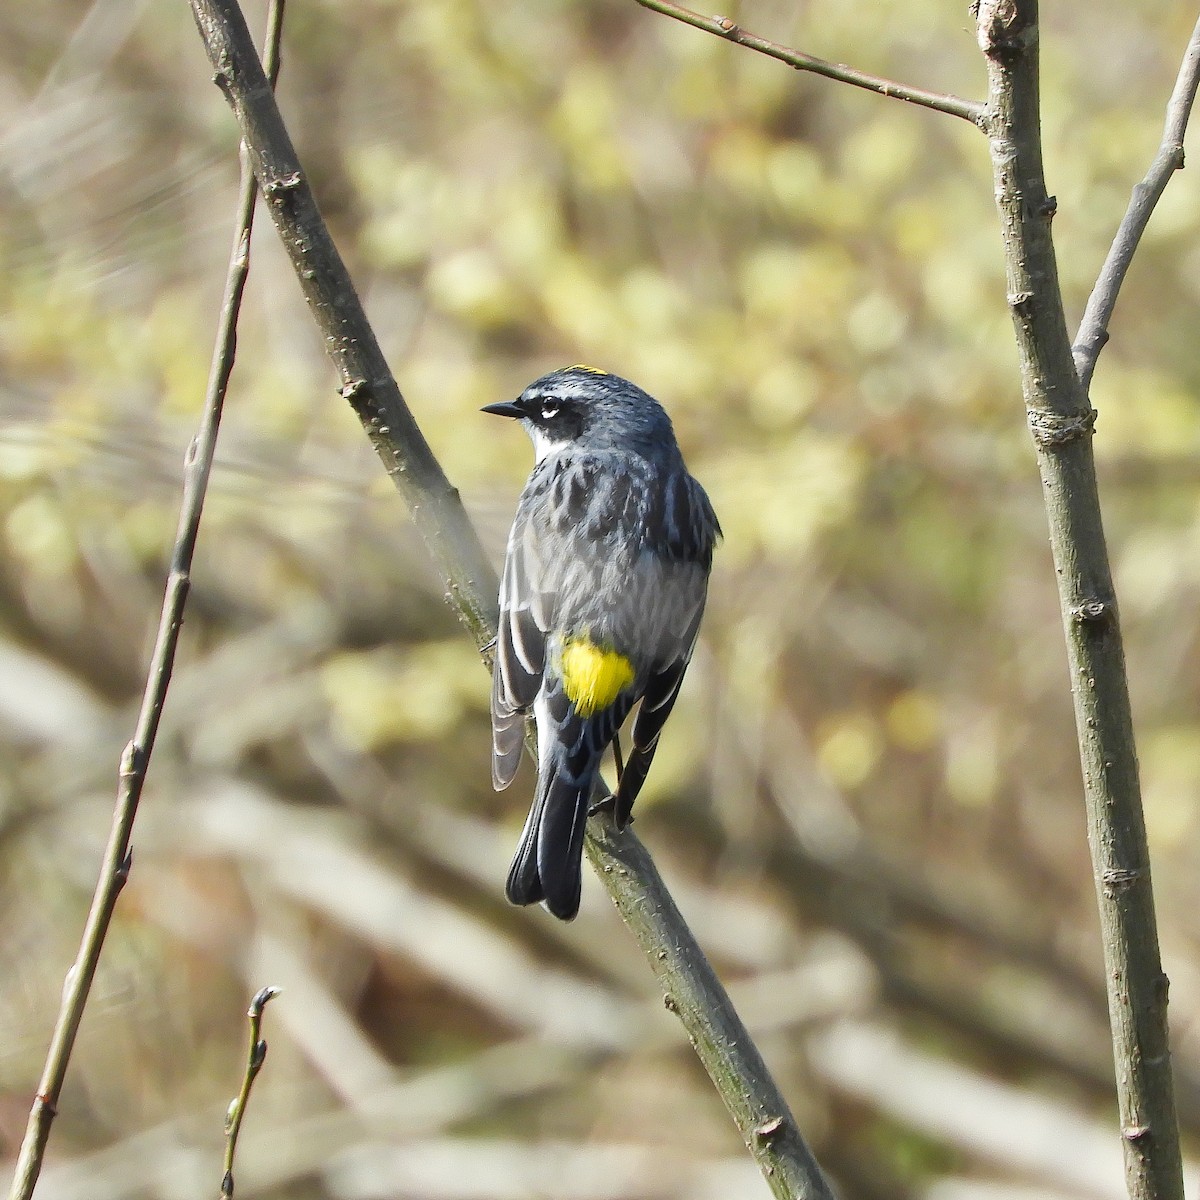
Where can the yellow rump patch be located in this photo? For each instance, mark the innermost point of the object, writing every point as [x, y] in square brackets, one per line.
[593, 676]
[585, 367]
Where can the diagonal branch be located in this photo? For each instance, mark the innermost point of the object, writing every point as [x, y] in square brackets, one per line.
[1093, 329]
[695, 994]
[118, 857]
[366, 381]
[723, 27]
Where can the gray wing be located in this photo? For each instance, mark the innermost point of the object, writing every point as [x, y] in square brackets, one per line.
[692, 530]
[520, 640]
[559, 572]
[528, 591]
[687, 606]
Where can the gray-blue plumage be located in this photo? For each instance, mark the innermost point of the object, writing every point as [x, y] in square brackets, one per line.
[612, 543]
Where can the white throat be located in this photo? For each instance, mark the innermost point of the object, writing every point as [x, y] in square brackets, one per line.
[543, 446]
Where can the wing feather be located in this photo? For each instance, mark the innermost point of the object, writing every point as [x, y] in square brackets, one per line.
[527, 608]
[658, 700]
[681, 593]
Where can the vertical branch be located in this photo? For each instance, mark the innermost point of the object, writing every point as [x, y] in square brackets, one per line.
[256, 1055]
[1061, 420]
[135, 760]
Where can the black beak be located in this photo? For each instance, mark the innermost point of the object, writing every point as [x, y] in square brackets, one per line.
[506, 408]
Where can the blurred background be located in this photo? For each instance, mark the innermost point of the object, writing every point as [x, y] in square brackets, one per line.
[868, 803]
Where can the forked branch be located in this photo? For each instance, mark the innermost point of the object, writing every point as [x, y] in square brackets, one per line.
[1060, 419]
[1093, 329]
[1054, 380]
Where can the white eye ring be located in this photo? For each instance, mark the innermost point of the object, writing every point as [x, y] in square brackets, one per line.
[550, 410]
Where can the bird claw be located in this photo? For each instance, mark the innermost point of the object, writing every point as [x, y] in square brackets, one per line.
[598, 806]
[609, 804]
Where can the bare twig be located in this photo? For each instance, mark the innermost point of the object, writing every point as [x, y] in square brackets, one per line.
[723, 27]
[135, 760]
[1060, 419]
[255, 1057]
[366, 381]
[1093, 329]
[624, 866]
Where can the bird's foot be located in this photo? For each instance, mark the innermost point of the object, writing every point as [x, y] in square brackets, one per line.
[622, 818]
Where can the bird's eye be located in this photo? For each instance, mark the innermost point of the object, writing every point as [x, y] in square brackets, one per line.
[550, 410]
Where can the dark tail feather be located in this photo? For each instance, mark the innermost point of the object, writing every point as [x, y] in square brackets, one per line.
[560, 845]
[524, 884]
[548, 862]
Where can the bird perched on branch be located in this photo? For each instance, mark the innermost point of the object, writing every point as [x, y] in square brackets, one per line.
[603, 589]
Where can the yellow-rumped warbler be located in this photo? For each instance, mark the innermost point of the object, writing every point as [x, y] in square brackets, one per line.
[603, 588]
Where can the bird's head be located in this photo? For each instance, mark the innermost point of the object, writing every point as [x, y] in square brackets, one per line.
[589, 408]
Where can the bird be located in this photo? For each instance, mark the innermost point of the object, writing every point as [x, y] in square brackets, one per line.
[602, 592]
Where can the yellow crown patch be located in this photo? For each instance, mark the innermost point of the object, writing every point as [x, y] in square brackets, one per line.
[585, 367]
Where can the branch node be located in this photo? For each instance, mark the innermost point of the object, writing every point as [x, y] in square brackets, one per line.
[729, 28]
[357, 393]
[1005, 33]
[1162, 988]
[258, 1055]
[1052, 428]
[769, 1129]
[1135, 1133]
[283, 184]
[1091, 611]
[1020, 302]
[1119, 880]
[131, 760]
[122, 876]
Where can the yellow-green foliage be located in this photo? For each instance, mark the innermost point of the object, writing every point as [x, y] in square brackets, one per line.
[809, 277]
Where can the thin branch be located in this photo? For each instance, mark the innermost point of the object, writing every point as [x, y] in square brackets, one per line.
[1093, 329]
[256, 1055]
[692, 991]
[723, 27]
[135, 760]
[1060, 419]
[366, 381]
[623, 865]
